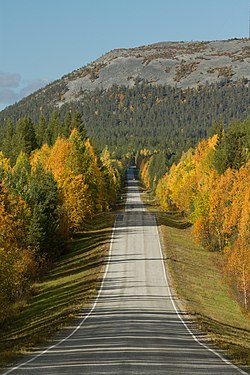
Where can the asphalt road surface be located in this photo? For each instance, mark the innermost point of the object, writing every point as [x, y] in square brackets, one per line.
[134, 327]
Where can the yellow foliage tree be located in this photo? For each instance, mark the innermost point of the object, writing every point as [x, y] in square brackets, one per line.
[144, 172]
[77, 200]
[17, 263]
[163, 193]
[95, 179]
[219, 205]
[237, 226]
[238, 266]
[111, 171]
[40, 156]
[238, 198]
[181, 182]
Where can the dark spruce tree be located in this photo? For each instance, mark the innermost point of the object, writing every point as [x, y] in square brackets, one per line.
[233, 149]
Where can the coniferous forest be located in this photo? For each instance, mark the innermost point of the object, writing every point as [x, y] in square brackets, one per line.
[129, 119]
[59, 166]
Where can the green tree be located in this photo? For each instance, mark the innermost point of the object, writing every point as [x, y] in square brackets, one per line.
[41, 129]
[7, 143]
[67, 124]
[43, 200]
[233, 150]
[156, 168]
[54, 128]
[38, 188]
[77, 123]
[24, 138]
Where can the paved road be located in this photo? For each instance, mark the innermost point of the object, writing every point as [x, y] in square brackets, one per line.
[133, 327]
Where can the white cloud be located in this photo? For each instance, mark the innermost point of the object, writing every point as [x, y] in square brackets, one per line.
[8, 95]
[32, 86]
[13, 88]
[9, 79]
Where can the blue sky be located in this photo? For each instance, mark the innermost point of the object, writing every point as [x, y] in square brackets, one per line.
[41, 40]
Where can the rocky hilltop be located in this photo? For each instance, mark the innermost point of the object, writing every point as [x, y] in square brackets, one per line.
[180, 64]
[165, 96]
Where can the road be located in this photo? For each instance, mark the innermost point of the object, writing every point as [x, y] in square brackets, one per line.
[133, 327]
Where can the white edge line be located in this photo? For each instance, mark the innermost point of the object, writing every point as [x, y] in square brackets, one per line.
[183, 322]
[96, 300]
[83, 320]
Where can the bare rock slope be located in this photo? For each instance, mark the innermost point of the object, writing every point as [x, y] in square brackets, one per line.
[181, 64]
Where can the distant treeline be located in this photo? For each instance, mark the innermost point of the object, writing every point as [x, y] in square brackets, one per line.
[145, 116]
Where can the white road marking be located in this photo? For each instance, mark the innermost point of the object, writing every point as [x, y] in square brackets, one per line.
[81, 323]
[114, 363]
[184, 323]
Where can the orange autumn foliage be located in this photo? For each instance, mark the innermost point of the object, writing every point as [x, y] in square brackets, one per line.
[44, 197]
[85, 184]
[238, 267]
[17, 263]
[64, 161]
[217, 205]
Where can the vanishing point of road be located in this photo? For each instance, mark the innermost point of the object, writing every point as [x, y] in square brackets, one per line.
[134, 326]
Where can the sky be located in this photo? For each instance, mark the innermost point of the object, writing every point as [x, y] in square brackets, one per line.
[42, 40]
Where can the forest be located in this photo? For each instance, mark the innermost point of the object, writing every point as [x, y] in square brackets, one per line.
[210, 186]
[129, 119]
[61, 166]
[47, 193]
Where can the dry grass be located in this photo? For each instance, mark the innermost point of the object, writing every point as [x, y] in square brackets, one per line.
[69, 287]
[199, 284]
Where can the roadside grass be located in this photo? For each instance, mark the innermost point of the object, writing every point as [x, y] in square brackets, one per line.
[197, 280]
[67, 290]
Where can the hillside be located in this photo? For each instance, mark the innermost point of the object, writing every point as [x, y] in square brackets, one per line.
[60, 186]
[180, 65]
[165, 95]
